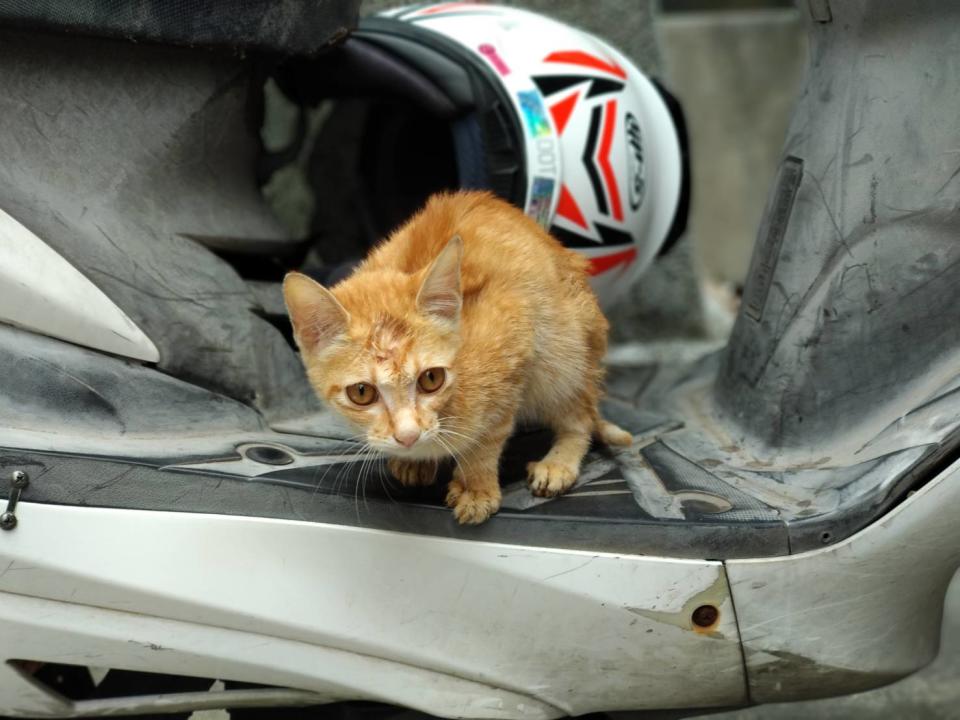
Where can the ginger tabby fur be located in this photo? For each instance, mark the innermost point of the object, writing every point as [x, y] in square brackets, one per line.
[476, 292]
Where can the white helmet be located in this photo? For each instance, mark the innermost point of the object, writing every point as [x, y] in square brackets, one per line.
[549, 117]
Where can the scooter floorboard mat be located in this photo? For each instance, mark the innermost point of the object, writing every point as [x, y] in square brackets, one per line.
[599, 514]
[672, 493]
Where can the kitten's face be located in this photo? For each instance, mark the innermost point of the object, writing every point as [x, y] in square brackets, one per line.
[381, 351]
[392, 379]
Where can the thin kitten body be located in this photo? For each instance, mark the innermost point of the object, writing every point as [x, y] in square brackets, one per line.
[468, 319]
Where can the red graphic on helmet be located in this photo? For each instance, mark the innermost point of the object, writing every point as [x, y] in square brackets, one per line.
[608, 262]
[562, 110]
[578, 57]
[603, 159]
[567, 208]
[446, 7]
[575, 92]
[599, 141]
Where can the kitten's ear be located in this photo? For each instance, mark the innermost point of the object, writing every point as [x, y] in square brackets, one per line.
[317, 316]
[439, 294]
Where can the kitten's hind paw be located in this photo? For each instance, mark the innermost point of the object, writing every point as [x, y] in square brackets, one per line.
[548, 478]
[472, 507]
[413, 473]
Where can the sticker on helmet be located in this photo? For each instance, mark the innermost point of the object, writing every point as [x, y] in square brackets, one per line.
[491, 54]
[533, 112]
[541, 195]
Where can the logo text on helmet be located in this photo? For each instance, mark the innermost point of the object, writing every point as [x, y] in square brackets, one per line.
[635, 181]
[546, 150]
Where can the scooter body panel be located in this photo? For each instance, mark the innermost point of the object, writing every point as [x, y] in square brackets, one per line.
[854, 615]
[442, 625]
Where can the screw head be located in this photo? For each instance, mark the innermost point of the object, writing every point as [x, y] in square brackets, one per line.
[8, 521]
[20, 479]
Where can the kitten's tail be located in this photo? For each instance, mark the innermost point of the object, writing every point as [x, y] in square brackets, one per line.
[610, 434]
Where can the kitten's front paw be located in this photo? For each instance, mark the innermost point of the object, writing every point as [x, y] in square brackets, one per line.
[413, 473]
[472, 507]
[549, 478]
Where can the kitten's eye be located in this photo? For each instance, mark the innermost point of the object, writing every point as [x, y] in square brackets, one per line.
[431, 380]
[362, 394]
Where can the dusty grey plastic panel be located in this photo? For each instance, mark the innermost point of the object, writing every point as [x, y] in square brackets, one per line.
[59, 397]
[117, 155]
[304, 26]
[820, 498]
[851, 314]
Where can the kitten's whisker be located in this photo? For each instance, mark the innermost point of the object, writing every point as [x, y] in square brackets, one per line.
[343, 468]
[318, 483]
[375, 457]
[374, 462]
[455, 455]
[350, 467]
[466, 453]
[448, 449]
[358, 478]
[361, 487]
[384, 482]
[342, 465]
[454, 433]
[454, 423]
[469, 436]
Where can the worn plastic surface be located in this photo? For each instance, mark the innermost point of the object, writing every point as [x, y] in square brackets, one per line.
[155, 442]
[458, 629]
[124, 157]
[42, 292]
[835, 398]
[734, 456]
[851, 317]
[854, 616]
[301, 26]
[149, 441]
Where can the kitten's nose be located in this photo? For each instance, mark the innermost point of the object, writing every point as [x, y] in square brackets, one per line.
[407, 436]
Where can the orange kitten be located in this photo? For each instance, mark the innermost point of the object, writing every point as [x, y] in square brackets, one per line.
[467, 319]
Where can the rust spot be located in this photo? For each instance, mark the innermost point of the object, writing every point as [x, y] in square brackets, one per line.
[705, 617]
